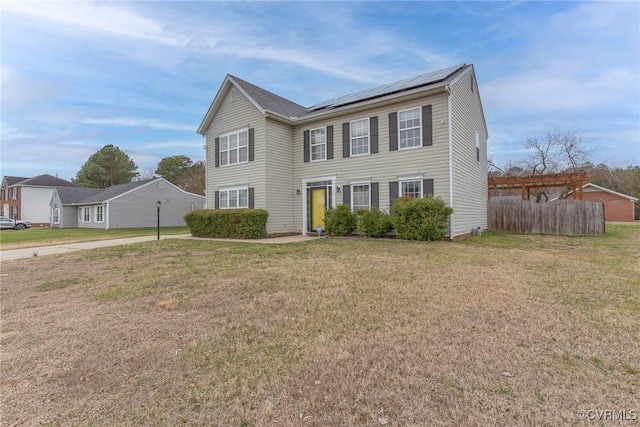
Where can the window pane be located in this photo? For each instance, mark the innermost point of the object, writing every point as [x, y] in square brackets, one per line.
[233, 141]
[243, 154]
[224, 143]
[243, 198]
[317, 152]
[224, 200]
[233, 157]
[224, 157]
[233, 198]
[243, 138]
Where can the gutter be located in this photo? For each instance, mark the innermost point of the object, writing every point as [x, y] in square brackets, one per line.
[448, 89]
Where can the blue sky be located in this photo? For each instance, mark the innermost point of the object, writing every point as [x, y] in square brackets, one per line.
[140, 75]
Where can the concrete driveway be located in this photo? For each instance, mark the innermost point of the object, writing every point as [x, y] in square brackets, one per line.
[32, 252]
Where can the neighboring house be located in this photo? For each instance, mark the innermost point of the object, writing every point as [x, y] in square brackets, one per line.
[424, 135]
[130, 205]
[617, 206]
[28, 198]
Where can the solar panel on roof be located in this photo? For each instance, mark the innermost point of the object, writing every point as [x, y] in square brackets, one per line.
[421, 80]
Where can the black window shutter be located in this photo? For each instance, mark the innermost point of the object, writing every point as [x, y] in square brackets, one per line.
[217, 202]
[307, 154]
[217, 147]
[346, 140]
[393, 131]
[427, 128]
[373, 134]
[375, 195]
[251, 198]
[251, 145]
[329, 142]
[346, 195]
[393, 192]
[427, 187]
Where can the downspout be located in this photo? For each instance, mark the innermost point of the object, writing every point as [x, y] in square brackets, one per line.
[106, 213]
[450, 125]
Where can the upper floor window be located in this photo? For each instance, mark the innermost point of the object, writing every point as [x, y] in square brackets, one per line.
[14, 193]
[477, 147]
[318, 144]
[409, 128]
[411, 188]
[234, 148]
[359, 137]
[233, 198]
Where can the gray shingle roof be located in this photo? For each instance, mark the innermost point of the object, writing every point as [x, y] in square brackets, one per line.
[87, 196]
[70, 195]
[14, 179]
[46, 181]
[270, 101]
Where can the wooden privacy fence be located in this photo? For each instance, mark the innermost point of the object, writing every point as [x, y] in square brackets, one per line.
[568, 217]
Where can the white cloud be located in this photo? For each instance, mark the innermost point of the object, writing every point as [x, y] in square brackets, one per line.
[136, 122]
[97, 17]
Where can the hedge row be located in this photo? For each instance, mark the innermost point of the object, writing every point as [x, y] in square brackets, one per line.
[412, 218]
[228, 223]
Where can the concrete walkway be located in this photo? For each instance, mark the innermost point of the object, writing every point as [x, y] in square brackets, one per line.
[39, 251]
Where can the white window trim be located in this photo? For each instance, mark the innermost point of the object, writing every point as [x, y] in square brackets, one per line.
[82, 216]
[95, 213]
[54, 216]
[227, 190]
[411, 179]
[14, 193]
[228, 150]
[311, 144]
[419, 129]
[368, 137]
[351, 185]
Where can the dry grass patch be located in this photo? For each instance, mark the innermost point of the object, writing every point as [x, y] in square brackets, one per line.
[507, 330]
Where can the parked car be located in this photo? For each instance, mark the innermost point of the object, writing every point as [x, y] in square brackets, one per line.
[14, 224]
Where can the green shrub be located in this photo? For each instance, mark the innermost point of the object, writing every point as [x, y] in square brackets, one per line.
[340, 221]
[374, 223]
[420, 218]
[228, 223]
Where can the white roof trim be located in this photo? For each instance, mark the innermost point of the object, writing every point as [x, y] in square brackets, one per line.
[626, 196]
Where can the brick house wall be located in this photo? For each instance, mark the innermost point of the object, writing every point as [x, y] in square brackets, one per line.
[616, 208]
[10, 205]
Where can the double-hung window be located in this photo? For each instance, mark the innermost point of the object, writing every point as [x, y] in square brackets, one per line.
[360, 196]
[99, 214]
[409, 127]
[234, 148]
[86, 214]
[477, 147]
[14, 193]
[411, 188]
[318, 144]
[234, 198]
[56, 215]
[359, 137]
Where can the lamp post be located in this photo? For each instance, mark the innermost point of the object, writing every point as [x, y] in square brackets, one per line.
[158, 203]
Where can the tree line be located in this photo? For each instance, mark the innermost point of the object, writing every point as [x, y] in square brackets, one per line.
[111, 166]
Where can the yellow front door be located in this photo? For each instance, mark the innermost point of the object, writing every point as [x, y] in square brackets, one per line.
[318, 207]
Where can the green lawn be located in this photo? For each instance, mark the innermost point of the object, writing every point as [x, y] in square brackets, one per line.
[50, 236]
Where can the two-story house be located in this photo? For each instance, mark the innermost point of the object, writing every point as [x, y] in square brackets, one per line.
[28, 198]
[419, 136]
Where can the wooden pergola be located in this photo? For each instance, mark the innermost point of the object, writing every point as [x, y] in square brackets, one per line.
[575, 181]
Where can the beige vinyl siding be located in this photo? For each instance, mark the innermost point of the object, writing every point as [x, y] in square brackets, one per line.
[469, 175]
[279, 176]
[231, 116]
[430, 162]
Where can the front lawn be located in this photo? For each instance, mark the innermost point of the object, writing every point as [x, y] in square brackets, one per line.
[12, 239]
[497, 330]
